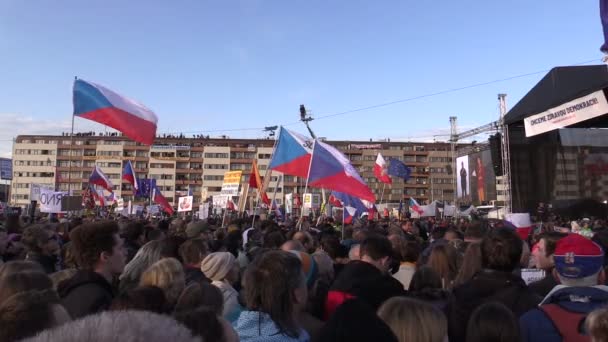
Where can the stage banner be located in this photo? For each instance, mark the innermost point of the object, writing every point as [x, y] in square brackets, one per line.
[184, 204]
[581, 109]
[232, 180]
[50, 201]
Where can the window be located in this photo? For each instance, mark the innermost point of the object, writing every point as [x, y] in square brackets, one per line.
[142, 154]
[216, 166]
[217, 155]
[263, 156]
[213, 177]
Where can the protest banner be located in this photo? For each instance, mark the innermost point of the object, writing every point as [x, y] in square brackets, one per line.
[232, 181]
[184, 204]
[50, 200]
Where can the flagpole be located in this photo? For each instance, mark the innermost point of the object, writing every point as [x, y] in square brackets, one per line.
[343, 218]
[71, 147]
[312, 155]
[382, 194]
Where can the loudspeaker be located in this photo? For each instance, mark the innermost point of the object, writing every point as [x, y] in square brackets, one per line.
[495, 150]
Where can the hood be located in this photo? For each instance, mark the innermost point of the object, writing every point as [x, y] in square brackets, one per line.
[577, 298]
[83, 277]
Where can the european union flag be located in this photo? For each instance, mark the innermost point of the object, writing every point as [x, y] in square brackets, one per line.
[398, 169]
[145, 187]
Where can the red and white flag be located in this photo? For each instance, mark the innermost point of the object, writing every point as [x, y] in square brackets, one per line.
[381, 170]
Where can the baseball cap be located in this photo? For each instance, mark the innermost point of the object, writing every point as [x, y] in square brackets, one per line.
[577, 257]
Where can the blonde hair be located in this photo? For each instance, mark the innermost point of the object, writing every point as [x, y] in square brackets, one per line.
[167, 274]
[413, 320]
[597, 325]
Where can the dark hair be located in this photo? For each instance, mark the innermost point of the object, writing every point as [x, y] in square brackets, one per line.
[551, 239]
[91, 239]
[154, 234]
[331, 245]
[425, 278]
[471, 263]
[233, 242]
[492, 322]
[269, 283]
[23, 281]
[501, 250]
[170, 247]
[35, 236]
[202, 322]
[273, 239]
[444, 260]
[27, 313]
[193, 251]
[475, 230]
[410, 250]
[145, 298]
[376, 247]
[198, 295]
[133, 231]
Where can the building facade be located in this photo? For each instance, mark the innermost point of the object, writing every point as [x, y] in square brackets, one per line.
[179, 164]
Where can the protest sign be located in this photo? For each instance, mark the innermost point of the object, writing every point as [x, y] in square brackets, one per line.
[50, 201]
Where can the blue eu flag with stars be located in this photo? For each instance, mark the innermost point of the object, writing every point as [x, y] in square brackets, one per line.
[396, 168]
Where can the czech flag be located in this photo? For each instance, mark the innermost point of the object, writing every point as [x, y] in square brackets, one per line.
[348, 214]
[128, 174]
[381, 170]
[161, 200]
[415, 206]
[100, 104]
[99, 178]
[292, 154]
[347, 200]
[330, 169]
[334, 201]
[522, 223]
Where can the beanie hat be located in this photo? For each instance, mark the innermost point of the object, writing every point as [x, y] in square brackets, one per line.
[217, 265]
[194, 229]
[309, 266]
[577, 257]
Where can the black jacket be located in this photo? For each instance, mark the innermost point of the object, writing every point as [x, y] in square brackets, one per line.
[48, 263]
[487, 286]
[195, 275]
[545, 285]
[85, 293]
[366, 282]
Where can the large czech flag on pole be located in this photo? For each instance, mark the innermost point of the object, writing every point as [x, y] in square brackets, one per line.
[100, 104]
[381, 170]
[128, 174]
[99, 178]
[291, 154]
[330, 169]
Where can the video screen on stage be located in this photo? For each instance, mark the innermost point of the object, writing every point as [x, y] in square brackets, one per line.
[482, 178]
[463, 186]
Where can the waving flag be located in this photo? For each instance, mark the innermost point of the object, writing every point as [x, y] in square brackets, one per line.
[98, 195]
[158, 198]
[99, 178]
[347, 200]
[145, 187]
[398, 169]
[415, 206]
[604, 18]
[381, 170]
[334, 201]
[88, 201]
[330, 169]
[348, 214]
[128, 174]
[100, 104]
[291, 154]
[255, 181]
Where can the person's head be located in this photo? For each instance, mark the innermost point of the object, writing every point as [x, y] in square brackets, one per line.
[493, 322]
[471, 263]
[377, 250]
[425, 278]
[578, 261]
[193, 252]
[98, 247]
[27, 313]
[221, 266]
[501, 250]
[546, 247]
[198, 229]
[596, 325]
[273, 239]
[38, 239]
[330, 244]
[17, 266]
[451, 234]
[443, 260]
[309, 267]
[413, 320]
[14, 283]
[275, 284]
[207, 324]
[306, 240]
[475, 232]
[146, 298]
[356, 320]
[292, 245]
[168, 274]
[201, 294]
[133, 326]
[325, 265]
[144, 258]
[355, 252]
[134, 233]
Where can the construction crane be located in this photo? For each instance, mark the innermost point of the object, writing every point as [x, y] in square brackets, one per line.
[306, 118]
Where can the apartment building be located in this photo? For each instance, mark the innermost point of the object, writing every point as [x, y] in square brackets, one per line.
[179, 164]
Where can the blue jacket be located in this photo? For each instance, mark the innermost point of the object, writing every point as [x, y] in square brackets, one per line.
[535, 324]
[254, 326]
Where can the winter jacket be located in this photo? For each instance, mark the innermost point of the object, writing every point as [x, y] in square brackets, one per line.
[87, 292]
[487, 286]
[544, 286]
[537, 326]
[254, 326]
[439, 298]
[232, 308]
[48, 263]
[362, 280]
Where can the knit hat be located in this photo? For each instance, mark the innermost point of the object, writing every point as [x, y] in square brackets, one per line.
[577, 257]
[217, 265]
[309, 266]
[194, 229]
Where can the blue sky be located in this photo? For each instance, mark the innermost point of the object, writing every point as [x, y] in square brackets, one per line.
[212, 65]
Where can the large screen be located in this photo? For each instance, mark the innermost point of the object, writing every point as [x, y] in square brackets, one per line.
[463, 186]
[6, 169]
[482, 178]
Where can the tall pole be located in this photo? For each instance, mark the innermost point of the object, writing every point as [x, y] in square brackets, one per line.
[71, 148]
[505, 153]
[453, 140]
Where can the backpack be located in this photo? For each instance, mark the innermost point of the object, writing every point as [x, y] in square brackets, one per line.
[568, 323]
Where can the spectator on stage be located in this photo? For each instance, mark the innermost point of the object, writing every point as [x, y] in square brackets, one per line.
[100, 255]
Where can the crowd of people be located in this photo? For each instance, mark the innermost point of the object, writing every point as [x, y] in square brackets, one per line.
[182, 279]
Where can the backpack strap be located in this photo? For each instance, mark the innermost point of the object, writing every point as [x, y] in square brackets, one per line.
[568, 323]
